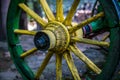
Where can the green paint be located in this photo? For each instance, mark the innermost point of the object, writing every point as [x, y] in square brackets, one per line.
[110, 12]
[114, 51]
[13, 41]
[113, 57]
[110, 20]
[98, 24]
[21, 65]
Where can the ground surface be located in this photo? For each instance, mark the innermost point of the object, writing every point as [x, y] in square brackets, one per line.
[9, 72]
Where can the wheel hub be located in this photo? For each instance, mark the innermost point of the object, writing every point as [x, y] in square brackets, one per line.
[55, 37]
[42, 41]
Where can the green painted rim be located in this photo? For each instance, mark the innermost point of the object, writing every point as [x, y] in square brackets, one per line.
[13, 41]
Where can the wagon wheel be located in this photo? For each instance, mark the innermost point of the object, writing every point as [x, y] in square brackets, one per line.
[50, 39]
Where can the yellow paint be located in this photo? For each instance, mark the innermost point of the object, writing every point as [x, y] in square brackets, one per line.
[59, 11]
[29, 52]
[61, 34]
[79, 32]
[24, 32]
[87, 61]
[71, 65]
[51, 37]
[33, 14]
[89, 41]
[44, 64]
[105, 37]
[58, 67]
[71, 13]
[87, 21]
[47, 10]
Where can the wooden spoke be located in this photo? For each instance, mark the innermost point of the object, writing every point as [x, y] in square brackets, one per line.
[71, 13]
[59, 11]
[87, 61]
[44, 64]
[33, 14]
[87, 21]
[105, 37]
[71, 65]
[29, 52]
[89, 41]
[47, 10]
[24, 32]
[58, 67]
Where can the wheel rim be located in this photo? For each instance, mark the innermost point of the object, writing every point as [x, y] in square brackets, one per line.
[53, 29]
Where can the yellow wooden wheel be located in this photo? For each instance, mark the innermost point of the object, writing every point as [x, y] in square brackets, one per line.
[59, 36]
